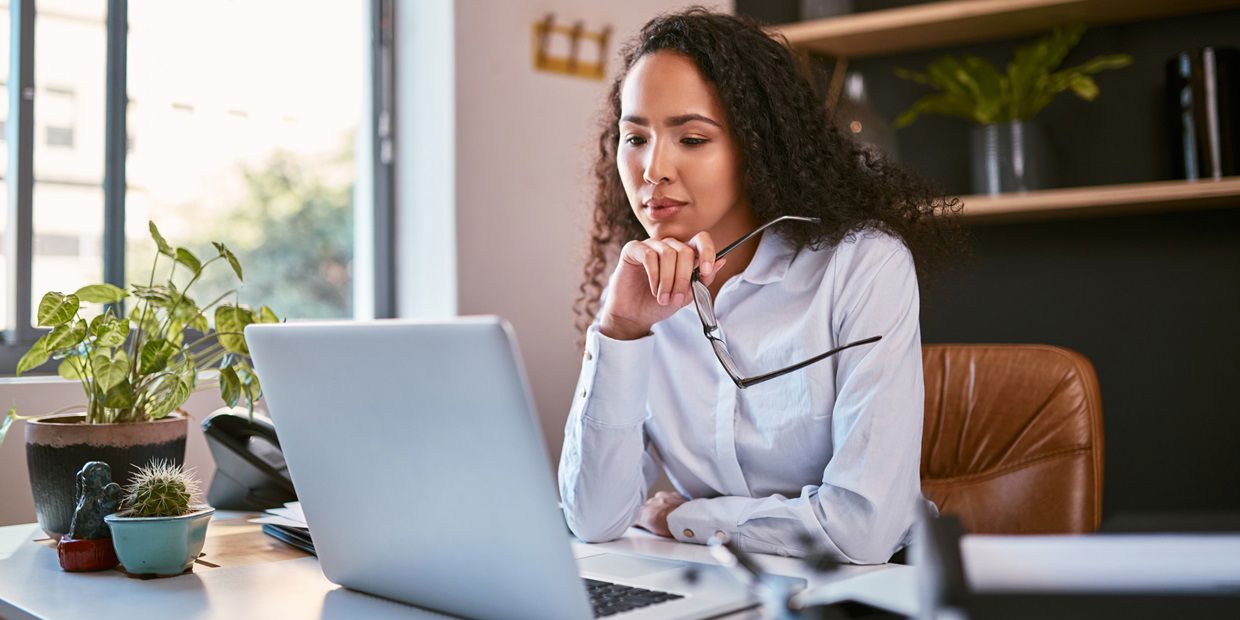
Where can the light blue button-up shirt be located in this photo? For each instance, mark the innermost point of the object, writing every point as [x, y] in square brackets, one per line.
[826, 458]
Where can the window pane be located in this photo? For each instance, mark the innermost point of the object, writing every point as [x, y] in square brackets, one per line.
[5, 301]
[247, 138]
[70, 66]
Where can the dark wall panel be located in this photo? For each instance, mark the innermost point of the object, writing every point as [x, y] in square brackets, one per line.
[1154, 303]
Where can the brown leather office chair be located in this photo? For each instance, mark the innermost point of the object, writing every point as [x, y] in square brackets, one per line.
[1013, 438]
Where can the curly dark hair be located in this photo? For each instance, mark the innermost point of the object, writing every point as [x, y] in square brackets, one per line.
[795, 161]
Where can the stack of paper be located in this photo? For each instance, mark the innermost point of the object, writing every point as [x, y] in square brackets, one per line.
[288, 525]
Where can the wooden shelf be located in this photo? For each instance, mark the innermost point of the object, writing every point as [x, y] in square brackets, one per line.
[951, 23]
[1103, 200]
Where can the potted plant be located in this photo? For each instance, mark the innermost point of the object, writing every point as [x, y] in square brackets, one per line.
[1007, 148]
[160, 528]
[136, 368]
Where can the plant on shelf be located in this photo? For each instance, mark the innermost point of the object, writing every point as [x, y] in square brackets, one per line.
[144, 364]
[160, 529]
[975, 90]
[1009, 152]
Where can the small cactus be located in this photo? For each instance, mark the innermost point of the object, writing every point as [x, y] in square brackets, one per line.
[160, 489]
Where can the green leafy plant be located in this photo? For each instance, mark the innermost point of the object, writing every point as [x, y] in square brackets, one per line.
[160, 489]
[973, 89]
[145, 364]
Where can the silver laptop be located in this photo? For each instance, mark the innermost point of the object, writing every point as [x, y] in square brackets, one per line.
[419, 463]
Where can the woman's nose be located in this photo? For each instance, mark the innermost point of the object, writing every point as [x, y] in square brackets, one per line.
[659, 168]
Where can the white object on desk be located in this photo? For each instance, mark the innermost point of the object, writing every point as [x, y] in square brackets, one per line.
[1103, 562]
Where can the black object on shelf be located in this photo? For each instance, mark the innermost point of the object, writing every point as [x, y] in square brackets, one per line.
[250, 470]
[1203, 112]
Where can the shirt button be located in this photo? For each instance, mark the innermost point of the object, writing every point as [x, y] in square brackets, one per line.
[589, 356]
[583, 393]
[688, 533]
[721, 535]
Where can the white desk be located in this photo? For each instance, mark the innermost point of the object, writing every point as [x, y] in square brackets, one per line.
[255, 576]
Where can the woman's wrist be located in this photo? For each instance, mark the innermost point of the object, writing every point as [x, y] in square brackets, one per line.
[622, 329]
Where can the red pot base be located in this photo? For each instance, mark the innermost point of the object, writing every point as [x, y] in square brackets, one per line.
[80, 556]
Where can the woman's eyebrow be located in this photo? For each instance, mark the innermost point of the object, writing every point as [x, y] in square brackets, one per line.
[674, 121]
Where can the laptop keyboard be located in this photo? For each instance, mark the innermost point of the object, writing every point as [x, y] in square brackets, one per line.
[613, 598]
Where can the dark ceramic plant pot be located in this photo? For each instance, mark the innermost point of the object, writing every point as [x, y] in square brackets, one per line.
[58, 446]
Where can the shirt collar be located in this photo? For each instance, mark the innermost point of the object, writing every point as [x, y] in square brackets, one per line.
[771, 260]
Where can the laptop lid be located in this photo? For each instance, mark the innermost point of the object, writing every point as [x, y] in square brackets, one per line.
[419, 463]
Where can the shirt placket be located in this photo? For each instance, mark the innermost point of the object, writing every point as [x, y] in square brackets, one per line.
[730, 474]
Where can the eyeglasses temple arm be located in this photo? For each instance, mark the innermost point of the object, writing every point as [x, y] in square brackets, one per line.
[744, 383]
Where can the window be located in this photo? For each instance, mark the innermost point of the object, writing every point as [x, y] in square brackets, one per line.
[238, 128]
[70, 54]
[250, 143]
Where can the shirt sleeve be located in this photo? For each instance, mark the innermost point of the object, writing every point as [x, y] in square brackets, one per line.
[864, 508]
[607, 465]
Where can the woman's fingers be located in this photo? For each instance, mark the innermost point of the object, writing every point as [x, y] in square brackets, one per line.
[684, 271]
[705, 247]
[638, 253]
[669, 264]
[707, 279]
[667, 268]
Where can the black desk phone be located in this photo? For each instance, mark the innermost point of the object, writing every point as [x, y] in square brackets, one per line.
[250, 470]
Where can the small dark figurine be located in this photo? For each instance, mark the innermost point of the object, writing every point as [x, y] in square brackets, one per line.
[88, 545]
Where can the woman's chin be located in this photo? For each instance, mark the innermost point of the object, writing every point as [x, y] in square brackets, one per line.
[680, 231]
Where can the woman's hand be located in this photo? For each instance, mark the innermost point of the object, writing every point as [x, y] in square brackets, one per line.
[653, 516]
[651, 283]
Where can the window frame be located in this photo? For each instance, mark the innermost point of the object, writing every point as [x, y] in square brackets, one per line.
[375, 170]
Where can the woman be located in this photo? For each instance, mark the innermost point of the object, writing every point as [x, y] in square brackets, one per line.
[714, 130]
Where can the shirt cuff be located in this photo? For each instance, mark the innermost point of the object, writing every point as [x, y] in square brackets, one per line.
[616, 377]
[693, 522]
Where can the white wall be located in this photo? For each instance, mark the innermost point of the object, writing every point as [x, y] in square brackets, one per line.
[524, 144]
[35, 396]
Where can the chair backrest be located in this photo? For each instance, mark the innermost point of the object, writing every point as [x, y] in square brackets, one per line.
[1013, 438]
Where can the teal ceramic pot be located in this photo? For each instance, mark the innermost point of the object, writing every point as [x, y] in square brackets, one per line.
[159, 545]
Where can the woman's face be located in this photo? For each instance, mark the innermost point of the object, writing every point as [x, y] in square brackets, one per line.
[680, 166]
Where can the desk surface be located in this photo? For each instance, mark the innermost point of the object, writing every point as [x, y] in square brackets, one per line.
[247, 574]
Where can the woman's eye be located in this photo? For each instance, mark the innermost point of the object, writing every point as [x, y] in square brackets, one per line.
[693, 141]
[635, 140]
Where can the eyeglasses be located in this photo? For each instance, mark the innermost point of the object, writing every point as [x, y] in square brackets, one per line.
[710, 325]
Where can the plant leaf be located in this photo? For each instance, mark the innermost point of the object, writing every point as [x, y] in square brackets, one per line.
[230, 322]
[169, 398]
[109, 331]
[109, 372]
[230, 386]
[65, 337]
[267, 315]
[35, 357]
[230, 257]
[57, 309]
[10, 416]
[101, 293]
[1084, 86]
[70, 368]
[187, 258]
[155, 355]
[164, 248]
[159, 295]
[119, 396]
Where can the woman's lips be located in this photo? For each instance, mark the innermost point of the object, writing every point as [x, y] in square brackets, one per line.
[662, 209]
